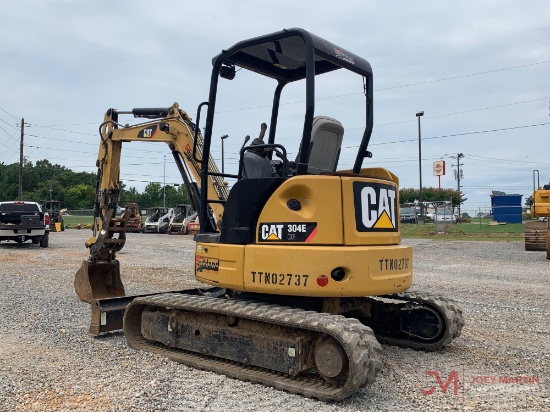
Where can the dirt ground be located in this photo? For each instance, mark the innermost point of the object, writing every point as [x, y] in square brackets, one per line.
[49, 362]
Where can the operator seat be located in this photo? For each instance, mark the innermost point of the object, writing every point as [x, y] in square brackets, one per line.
[255, 164]
[325, 145]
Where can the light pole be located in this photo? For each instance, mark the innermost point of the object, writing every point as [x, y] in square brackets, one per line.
[164, 183]
[223, 138]
[458, 175]
[419, 115]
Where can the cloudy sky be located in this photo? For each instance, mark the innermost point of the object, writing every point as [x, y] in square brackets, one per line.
[480, 71]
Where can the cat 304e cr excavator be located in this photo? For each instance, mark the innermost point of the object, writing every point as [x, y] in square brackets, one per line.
[537, 232]
[307, 271]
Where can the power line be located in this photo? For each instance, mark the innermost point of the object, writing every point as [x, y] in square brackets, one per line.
[508, 161]
[455, 113]
[15, 117]
[411, 120]
[399, 86]
[10, 125]
[61, 140]
[10, 135]
[499, 166]
[465, 75]
[68, 124]
[62, 130]
[287, 138]
[7, 147]
[343, 95]
[460, 134]
[86, 143]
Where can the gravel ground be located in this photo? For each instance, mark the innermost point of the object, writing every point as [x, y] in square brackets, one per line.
[49, 362]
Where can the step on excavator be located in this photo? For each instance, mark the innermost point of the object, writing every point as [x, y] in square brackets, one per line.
[304, 259]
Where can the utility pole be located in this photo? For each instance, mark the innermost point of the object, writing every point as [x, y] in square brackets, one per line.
[458, 174]
[420, 199]
[21, 159]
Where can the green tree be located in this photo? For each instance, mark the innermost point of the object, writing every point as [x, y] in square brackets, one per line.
[130, 196]
[183, 195]
[431, 194]
[80, 197]
[9, 181]
[176, 196]
[76, 190]
[152, 195]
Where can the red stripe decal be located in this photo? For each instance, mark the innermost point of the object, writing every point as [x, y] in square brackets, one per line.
[312, 235]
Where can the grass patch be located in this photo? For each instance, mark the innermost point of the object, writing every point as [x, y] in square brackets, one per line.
[77, 220]
[460, 231]
[466, 231]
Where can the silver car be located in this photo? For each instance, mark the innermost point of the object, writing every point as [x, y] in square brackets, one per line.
[408, 215]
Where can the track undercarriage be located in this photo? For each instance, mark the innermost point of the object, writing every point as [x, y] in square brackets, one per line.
[322, 348]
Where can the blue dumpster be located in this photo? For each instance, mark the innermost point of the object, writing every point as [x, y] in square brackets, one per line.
[506, 208]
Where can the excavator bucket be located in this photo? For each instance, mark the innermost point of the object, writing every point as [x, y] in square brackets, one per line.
[98, 280]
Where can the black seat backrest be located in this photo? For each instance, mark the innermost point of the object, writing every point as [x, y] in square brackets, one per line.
[255, 166]
[244, 205]
[326, 141]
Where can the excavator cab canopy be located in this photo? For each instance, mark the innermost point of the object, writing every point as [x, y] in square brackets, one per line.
[286, 56]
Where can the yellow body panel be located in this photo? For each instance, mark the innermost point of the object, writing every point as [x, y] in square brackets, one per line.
[321, 203]
[342, 241]
[541, 203]
[220, 265]
[305, 270]
[379, 214]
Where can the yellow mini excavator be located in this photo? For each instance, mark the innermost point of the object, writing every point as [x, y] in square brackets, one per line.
[537, 233]
[304, 258]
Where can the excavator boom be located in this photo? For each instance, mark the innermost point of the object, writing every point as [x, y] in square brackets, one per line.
[99, 275]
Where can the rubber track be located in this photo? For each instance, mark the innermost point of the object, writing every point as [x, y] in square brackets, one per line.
[535, 236]
[448, 309]
[362, 348]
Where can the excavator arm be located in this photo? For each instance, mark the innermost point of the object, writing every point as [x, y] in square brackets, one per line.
[99, 275]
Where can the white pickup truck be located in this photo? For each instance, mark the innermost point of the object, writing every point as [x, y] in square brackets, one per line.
[22, 221]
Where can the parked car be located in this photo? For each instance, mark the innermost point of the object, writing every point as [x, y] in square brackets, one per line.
[443, 215]
[484, 215]
[408, 215]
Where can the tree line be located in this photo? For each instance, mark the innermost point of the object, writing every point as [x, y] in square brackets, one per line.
[76, 190]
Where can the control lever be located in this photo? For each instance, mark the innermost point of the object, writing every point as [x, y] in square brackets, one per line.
[246, 139]
[263, 128]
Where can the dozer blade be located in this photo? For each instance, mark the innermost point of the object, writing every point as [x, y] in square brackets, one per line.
[98, 281]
